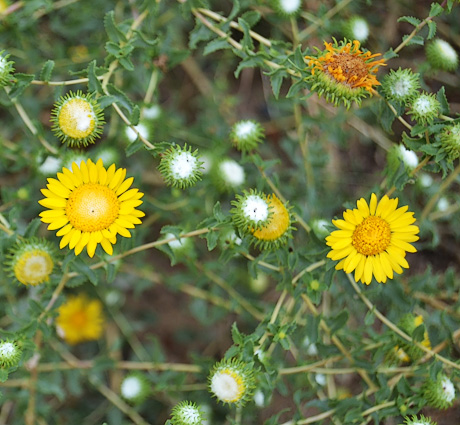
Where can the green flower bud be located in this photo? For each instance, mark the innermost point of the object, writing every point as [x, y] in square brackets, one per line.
[180, 167]
[135, 388]
[186, 413]
[439, 393]
[10, 353]
[400, 85]
[450, 141]
[6, 69]
[356, 28]
[421, 420]
[286, 8]
[425, 108]
[441, 55]
[245, 135]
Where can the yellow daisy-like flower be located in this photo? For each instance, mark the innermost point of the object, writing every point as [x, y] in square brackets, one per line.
[80, 319]
[343, 72]
[373, 239]
[91, 205]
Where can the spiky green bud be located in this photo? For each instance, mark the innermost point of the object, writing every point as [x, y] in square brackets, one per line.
[439, 393]
[425, 108]
[418, 420]
[135, 388]
[10, 353]
[186, 413]
[441, 55]
[356, 28]
[246, 135]
[450, 141]
[6, 69]
[401, 85]
[286, 8]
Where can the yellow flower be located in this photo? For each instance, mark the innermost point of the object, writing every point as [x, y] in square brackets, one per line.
[343, 72]
[91, 205]
[80, 319]
[278, 224]
[30, 261]
[373, 239]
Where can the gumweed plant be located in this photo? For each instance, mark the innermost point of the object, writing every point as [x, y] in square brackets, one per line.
[229, 212]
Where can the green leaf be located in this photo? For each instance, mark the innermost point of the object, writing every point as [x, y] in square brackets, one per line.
[251, 17]
[135, 115]
[276, 80]
[113, 48]
[47, 70]
[436, 9]
[390, 54]
[442, 99]
[81, 267]
[431, 30]
[199, 33]
[94, 85]
[3, 375]
[126, 63]
[410, 19]
[416, 39]
[246, 42]
[133, 147]
[249, 62]
[235, 10]
[111, 28]
[211, 238]
[338, 322]
[22, 82]
[32, 228]
[216, 44]
[120, 98]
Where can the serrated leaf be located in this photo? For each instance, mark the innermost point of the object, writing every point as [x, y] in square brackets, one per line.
[81, 267]
[94, 85]
[251, 17]
[246, 42]
[47, 70]
[22, 82]
[431, 30]
[410, 19]
[111, 28]
[211, 239]
[135, 115]
[390, 54]
[126, 63]
[249, 62]
[113, 48]
[214, 45]
[442, 99]
[235, 10]
[133, 147]
[436, 9]
[339, 321]
[120, 98]
[199, 33]
[32, 227]
[416, 39]
[276, 80]
[295, 88]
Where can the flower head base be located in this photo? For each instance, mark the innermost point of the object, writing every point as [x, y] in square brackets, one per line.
[425, 108]
[372, 239]
[77, 119]
[251, 211]
[80, 319]
[422, 420]
[401, 85]
[287, 7]
[441, 55]
[356, 28]
[409, 323]
[439, 393]
[180, 167]
[135, 388]
[343, 72]
[232, 382]
[186, 413]
[10, 353]
[6, 69]
[246, 135]
[450, 141]
[31, 261]
[91, 205]
[227, 175]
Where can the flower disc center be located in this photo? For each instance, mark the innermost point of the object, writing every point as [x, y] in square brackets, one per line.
[372, 236]
[33, 267]
[92, 207]
[76, 118]
[346, 68]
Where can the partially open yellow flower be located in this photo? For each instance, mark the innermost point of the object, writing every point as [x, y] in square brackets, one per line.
[372, 239]
[31, 261]
[91, 205]
[80, 319]
[343, 72]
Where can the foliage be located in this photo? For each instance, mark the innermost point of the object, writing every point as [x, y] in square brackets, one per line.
[189, 289]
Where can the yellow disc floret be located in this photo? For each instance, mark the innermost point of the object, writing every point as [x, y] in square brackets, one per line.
[30, 261]
[76, 118]
[92, 207]
[33, 267]
[372, 236]
[278, 224]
